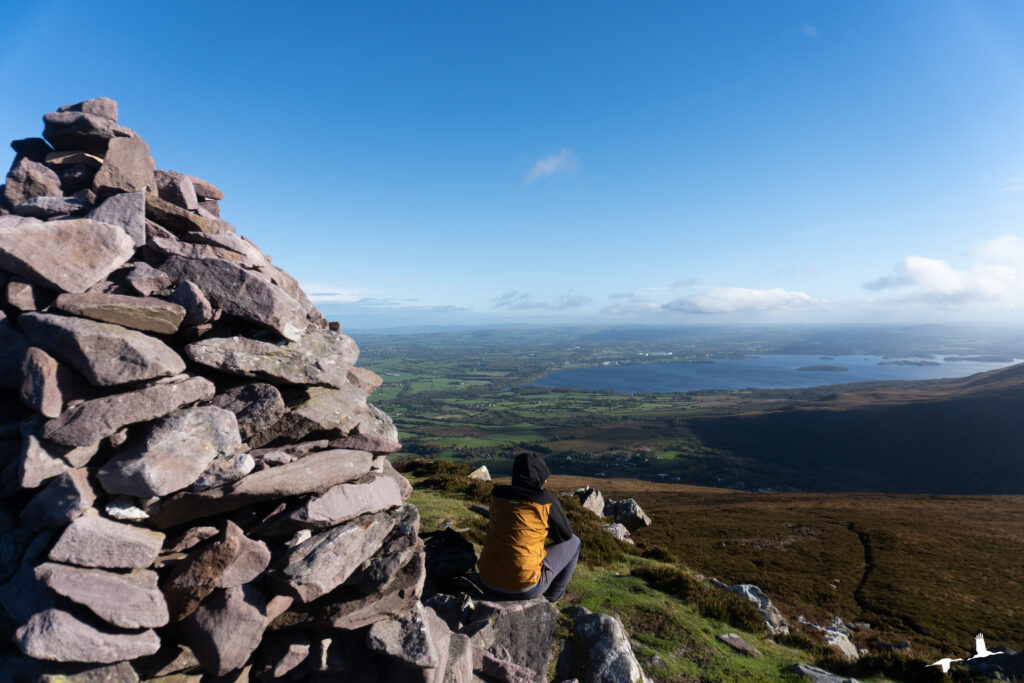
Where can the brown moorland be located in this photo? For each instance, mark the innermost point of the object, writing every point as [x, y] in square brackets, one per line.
[934, 570]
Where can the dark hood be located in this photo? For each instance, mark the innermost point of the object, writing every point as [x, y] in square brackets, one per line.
[530, 471]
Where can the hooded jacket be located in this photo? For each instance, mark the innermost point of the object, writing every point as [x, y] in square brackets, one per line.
[523, 516]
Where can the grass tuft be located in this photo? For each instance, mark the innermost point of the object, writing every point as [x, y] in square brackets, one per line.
[710, 601]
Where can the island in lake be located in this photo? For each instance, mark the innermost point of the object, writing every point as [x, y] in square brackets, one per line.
[915, 363]
[823, 368]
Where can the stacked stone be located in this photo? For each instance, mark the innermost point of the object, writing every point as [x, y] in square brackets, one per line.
[194, 482]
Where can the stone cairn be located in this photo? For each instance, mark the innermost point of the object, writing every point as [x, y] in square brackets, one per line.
[194, 483]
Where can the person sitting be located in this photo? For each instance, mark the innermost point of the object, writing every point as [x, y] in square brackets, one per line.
[514, 564]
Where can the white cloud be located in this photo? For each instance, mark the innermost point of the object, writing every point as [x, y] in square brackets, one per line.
[995, 277]
[320, 292]
[524, 301]
[630, 303]
[551, 164]
[742, 300]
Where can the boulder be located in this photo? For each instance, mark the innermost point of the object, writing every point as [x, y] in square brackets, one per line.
[197, 307]
[29, 179]
[174, 452]
[628, 513]
[319, 410]
[256, 406]
[92, 541]
[241, 293]
[176, 188]
[204, 189]
[226, 629]
[318, 358]
[620, 532]
[105, 354]
[68, 255]
[411, 638]
[122, 672]
[127, 167]
[775, 623]
[64, 498]
[521, 631]
[320, 564]
[610, 655]
[591, 499]
[147, 314]
[147, 280]
[25, 296]
[481, 473]
[196, 577]
[60, 636]
[127, 211]
[314, 473]
[41, 459]
[80, 130]
[90, 421]
[47, 384]
[252, 559]
[35, 149]
[103, 107]
[127, 600]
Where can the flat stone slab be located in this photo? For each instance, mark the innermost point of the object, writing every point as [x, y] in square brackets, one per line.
[393, 600]
[174, 452]
[323, 562]
[190, 250]
[90, 421]
[50, 207]
[227, 628]
[314, 473]
[93, 541]
[318, 358]
[66, 255]
[105, 354]
[241, 293]
[41, 459]
[126, 600]
[737, 643]
[148, 314]
[346, 501]
[179, 220]
[59, 636]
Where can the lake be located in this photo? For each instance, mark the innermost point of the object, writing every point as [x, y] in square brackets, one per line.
[776, 371]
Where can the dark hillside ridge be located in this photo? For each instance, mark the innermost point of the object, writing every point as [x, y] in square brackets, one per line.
[963, 436]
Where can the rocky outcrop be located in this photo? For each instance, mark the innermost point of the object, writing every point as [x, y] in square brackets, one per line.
[775, 624]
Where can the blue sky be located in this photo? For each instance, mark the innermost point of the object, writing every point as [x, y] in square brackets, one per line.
[479, 162]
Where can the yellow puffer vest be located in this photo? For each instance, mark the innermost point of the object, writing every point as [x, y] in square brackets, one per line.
[514, 549]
